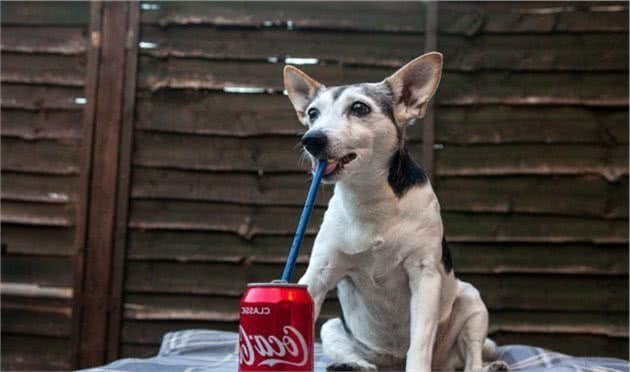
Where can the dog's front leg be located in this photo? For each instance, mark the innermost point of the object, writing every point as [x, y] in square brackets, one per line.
[322, 275]
[425, 283]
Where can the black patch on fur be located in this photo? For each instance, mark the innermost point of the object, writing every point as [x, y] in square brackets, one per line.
[447, 259]
[384, 98]
[404, 172]
[342, 367]
[337, 91]
[343, 319]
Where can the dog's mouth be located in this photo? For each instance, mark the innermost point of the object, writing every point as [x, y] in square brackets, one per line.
[335, 165]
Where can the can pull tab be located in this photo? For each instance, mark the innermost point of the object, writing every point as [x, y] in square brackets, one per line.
[279, 281]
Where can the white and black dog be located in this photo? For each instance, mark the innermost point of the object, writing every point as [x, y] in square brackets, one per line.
[382, 241]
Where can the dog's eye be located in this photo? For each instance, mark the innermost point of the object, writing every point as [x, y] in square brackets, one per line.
[359, 109]
[313, 114]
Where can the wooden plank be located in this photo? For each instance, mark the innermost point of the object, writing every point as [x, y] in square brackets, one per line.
[505, 291]
[43, 271]
[119, 249]
[598, 323]
[455, 88]
[244, 220]
[27, 322]
[487, 227]
[37, 240]
[243, 188]
[211, 113]
[578, 345]
[381, 15]
[83, 185]
[539, 258]
[571, 17]
[203, 112]
[38, 214]
[610, 162]
[248, 221]
[44, 124]
[428, 122]
[38, 188]
[560, 195]
[505, 124]
[253, 154]
[34, 97]
[103, 182]
[538, 52]
[147, 324]
[57, 13]
[41, 156]
[458, 18]
[35, 353]
[54, 40]
[527, 52]
[38, 97]
[188, 246]
[52, 69]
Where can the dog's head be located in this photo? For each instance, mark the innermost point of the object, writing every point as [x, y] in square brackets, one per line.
[357, 128]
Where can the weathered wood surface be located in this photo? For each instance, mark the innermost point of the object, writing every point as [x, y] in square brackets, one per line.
[35, 353]
[562, 258]
[589, 195]
[43, 124]
[281, 154]
[248, 221]
[572, 52]
[211, 113]
[38, 97]
[42, 156]
[39, 270]
[56, 13]
[37, 240]
[504, 291]
[146, 324]
[54, 40]
[38, 187]
[36, 323]
[52, 69]
[605, 88]
[455, 18]
[34, 213]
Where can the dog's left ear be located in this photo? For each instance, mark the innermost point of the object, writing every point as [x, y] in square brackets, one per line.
[413, 85]
[301, 89]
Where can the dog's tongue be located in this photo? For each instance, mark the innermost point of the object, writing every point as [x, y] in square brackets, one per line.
[330, 167]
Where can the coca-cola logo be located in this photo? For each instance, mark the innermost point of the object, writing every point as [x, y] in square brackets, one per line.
[272, 349]
[253, 310]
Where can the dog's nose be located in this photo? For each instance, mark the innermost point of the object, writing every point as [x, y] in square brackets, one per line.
[315, 143]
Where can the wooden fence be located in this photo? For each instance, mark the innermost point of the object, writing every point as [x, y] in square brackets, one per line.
[149, 164]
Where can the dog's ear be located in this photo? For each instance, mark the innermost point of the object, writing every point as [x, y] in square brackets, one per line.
[413, 85]
[301, 89]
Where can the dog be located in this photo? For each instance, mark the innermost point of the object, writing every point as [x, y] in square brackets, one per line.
[381, 242]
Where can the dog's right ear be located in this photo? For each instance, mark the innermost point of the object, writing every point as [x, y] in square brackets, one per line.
[301, 89]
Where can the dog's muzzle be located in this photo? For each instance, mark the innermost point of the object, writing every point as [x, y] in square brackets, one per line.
[315, 142]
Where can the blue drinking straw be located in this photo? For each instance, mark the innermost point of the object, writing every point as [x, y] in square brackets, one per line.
[306, 212]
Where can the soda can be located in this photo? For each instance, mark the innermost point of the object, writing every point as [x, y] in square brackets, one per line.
[277, 328]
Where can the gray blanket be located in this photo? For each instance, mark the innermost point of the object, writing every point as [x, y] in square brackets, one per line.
[213, 351]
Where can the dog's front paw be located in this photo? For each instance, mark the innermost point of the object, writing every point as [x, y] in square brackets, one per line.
[354, 366]
[497, 366]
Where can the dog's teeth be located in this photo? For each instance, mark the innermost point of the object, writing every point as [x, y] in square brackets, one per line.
[330, 161]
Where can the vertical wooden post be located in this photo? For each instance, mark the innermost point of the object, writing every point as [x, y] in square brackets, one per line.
[124, 175]
[106, 138]
[91, 87]
[428, 123]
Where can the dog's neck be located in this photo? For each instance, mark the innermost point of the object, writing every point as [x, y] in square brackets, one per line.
[367, 192]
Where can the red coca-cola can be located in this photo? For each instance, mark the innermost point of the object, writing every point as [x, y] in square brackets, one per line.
[277, 328]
